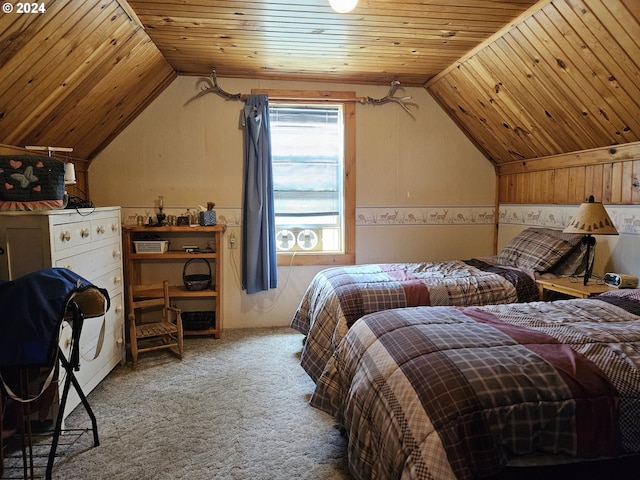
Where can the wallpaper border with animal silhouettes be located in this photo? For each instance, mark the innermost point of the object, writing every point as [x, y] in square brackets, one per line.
[431, 215]
[626, 218]
[365, 216]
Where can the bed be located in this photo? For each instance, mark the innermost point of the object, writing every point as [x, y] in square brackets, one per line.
[337, 297]
[460, 392]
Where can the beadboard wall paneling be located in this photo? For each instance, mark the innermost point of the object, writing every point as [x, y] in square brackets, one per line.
[611, 175]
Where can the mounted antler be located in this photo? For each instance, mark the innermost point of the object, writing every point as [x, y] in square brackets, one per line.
[390, 98]
[213, 87]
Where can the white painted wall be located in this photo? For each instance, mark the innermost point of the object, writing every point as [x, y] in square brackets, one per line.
[190, 151]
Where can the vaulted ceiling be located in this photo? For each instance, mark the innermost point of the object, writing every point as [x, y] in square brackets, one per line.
[378, 42]
[524, 79]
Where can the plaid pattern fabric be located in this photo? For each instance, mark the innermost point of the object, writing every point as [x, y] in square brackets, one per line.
[538, 249]
[337, 297]
[450, 392]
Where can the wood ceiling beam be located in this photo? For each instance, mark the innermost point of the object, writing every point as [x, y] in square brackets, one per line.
[594, 156]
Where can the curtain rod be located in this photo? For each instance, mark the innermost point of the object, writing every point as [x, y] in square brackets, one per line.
[388, 98]
[6, 149]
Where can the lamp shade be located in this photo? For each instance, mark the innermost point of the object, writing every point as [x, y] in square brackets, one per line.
[343, 6]
[591, 219]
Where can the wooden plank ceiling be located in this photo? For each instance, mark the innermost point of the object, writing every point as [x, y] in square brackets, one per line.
[75, 75]
[376, 43]
[565, 79]
[524, 79]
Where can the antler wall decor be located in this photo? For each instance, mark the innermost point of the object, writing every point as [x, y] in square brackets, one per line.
[214, 87]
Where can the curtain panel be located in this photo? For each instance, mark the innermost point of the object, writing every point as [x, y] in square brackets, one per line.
[259, 262]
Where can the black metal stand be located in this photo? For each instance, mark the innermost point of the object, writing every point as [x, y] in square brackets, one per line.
[590, 242]
[69, 366]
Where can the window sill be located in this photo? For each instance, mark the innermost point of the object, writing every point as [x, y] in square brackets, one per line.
[328, 259]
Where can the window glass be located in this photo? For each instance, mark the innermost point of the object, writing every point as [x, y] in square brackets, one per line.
[307, 147]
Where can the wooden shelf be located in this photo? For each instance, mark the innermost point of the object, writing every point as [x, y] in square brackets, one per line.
[171, 255]
[175, 229]
[181, 291]
[133, 264]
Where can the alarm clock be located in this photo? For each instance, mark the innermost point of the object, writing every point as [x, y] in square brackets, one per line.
[620, 280]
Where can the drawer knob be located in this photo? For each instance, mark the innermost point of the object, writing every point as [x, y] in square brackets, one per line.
[116, 254]
[84, 233]
[120, 341]
[117, 280]
[118, 308]
[114, 227]
[100, 229]
[65, 236]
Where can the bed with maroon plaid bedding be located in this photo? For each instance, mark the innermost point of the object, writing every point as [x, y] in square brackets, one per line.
[457, 392]
[337, 297]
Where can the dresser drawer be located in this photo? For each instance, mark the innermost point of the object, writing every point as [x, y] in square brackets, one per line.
[112, 282]
[70, 235]
[106, 228]
[110, 346]
[90, 263]
[113, 330]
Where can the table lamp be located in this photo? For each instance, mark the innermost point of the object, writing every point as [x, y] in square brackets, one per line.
[590, 219]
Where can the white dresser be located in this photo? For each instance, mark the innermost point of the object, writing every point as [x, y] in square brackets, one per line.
[88, 242]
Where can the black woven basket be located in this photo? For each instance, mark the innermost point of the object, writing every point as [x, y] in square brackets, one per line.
[198, 320]
[198, 281]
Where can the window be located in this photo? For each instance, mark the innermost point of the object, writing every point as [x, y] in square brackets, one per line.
[312, 148]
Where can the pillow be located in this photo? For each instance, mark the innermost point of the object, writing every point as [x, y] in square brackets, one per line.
[538, 249]
[31, 182]
[572, 264]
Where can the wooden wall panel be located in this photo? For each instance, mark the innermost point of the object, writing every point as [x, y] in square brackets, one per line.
[611, 174]
[564, 79]
[613, 183]
[549, 90]
[76, 75]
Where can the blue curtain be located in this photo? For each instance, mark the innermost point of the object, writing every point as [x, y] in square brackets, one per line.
[259, 263]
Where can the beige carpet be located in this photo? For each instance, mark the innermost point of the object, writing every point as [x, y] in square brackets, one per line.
[234, 408]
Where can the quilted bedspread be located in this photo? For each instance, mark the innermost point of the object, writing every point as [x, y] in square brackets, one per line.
[455, 392]
[337, 297]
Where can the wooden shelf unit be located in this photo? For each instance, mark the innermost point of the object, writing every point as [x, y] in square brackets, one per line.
[175, 259]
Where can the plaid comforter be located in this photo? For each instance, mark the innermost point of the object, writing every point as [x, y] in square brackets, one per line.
[454, 392]
[337, 297]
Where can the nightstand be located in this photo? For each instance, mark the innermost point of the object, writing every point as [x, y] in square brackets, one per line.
[572, 289]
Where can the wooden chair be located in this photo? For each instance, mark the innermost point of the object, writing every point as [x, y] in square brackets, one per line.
[163, 332]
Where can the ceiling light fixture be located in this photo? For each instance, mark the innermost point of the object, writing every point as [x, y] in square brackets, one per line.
[343, 6]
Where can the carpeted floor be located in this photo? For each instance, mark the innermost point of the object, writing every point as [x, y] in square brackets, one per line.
[234, 408]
